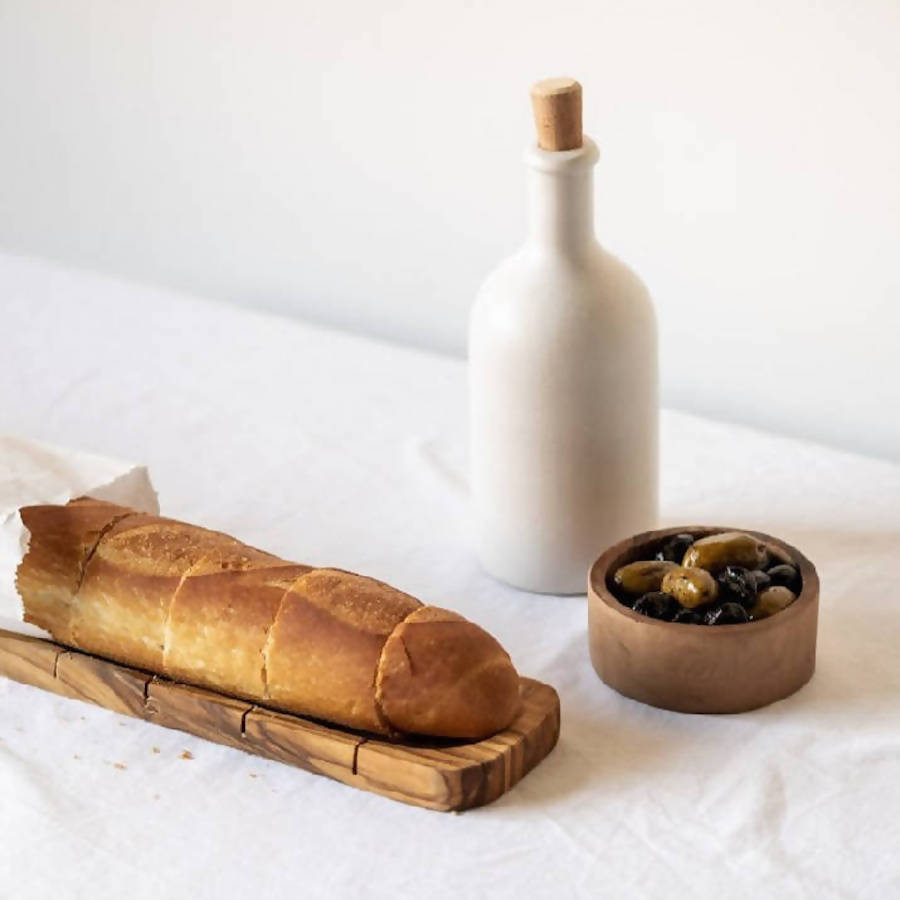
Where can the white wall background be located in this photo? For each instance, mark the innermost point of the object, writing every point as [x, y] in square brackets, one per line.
[358, 163]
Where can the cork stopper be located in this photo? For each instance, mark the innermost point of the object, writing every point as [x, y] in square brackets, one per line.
[557, 113]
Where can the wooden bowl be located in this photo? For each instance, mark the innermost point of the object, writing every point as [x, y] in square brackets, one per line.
[700, 668]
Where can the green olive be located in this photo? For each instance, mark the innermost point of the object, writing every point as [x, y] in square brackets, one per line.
[642, 577]
[772, 600]
[778, 556]
[730, 548]
[690, 587]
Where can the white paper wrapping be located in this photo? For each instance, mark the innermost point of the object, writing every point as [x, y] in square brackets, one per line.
[31, 473]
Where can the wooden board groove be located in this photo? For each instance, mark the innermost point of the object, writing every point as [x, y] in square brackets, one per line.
[436, 774]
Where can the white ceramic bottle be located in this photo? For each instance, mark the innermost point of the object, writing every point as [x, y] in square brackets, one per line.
[562, 377]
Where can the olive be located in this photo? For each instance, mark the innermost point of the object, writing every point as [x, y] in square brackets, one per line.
[727, 614]
[642, 577]
[688, 617]
[775, 556]
[690, 587]
[730, 548]
[761, 580]
[737, 585]
[772, 600]
[785, 575]
[674, 548]
[656, 605]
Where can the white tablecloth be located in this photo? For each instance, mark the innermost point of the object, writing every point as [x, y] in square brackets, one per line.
[337, 449]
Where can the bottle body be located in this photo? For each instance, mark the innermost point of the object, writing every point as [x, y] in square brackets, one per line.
[563, 397]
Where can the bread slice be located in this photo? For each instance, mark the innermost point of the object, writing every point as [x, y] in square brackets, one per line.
[218, 625]
[62, 540]
[440, 674]
[323, 650]
[130, 581]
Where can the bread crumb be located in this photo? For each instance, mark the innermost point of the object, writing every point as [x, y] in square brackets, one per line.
[186, 754]
[121, 766]
[154, 749]
[253, 775]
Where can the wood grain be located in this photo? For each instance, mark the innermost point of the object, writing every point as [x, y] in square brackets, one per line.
[441, 775]
[314, 747]
[195, 710]
[104, 683]
[31, 661]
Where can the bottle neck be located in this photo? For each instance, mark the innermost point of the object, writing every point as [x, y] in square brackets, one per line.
[561, 198]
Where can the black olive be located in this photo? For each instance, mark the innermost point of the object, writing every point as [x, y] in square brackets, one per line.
[656, 605]
[785, 575]
[727, 614]
[688, 617]
[674, 548]
[761, 580]
[737, 585]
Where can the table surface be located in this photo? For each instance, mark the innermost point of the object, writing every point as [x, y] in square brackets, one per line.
[341, 450]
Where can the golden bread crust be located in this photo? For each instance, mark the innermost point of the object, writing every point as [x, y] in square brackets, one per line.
[218, 624]
[62, 540]
[323, 650]
[130, 582]
[201, 607]
[441, 675]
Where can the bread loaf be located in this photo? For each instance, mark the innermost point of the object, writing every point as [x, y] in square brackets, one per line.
[199, 606]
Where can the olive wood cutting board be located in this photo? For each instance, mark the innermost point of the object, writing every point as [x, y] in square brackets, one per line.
[436, 774]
